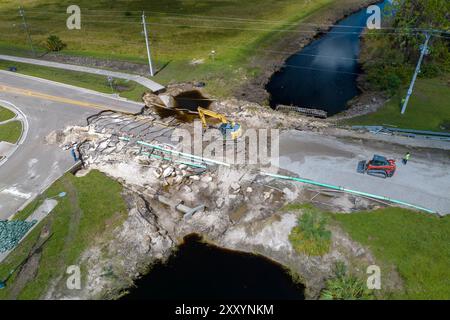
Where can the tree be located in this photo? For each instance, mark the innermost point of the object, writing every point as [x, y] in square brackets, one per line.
[389, 58]
[54, 43]
[412, 16]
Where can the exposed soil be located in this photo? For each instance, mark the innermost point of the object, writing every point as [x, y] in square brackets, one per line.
[367, 102]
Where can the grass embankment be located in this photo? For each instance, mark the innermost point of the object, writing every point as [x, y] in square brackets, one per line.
[310, 236]
[416, 243]
[10, 131]
[389, 62]
[179, 34]
[92, 208]
[428, 108]
[5, 114]
[127, 89]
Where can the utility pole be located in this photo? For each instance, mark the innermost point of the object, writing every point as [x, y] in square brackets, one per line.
[25, 25]
[416, 73]
[147, 44]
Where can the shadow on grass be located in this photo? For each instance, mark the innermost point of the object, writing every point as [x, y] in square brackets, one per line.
[162, 67]
[19, 267]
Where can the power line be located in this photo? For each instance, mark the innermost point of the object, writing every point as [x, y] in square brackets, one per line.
[239, 20]
[321, 69]
[171, 15]
[225, 19]
[271, 30]
[443, 37]
[295, 54]
[249, 29]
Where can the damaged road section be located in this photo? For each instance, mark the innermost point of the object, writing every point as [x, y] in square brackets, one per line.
[171, 194]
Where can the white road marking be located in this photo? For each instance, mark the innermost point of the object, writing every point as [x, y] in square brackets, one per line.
[13, 191]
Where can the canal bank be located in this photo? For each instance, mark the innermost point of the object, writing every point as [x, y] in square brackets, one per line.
[271, 58]
[200, 270]
[324, 74]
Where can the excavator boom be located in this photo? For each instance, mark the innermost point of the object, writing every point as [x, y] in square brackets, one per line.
[205, 112]
[226, 127]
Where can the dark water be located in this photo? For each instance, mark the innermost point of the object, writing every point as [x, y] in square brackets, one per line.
[323, 74]
[185, 107]
[201, 271]
[191, 100]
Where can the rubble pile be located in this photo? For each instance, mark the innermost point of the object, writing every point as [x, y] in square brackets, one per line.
[254, 115]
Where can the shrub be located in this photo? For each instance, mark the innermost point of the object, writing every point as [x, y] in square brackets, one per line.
[445, 125]
[344, 286]
[310, 236]
[430, 70]
[54, 43]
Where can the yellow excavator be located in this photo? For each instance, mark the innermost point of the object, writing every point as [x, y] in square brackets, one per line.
[226, 128]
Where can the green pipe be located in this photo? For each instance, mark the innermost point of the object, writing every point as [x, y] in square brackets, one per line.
[348, 191]
[182, 154]
[374, 196]
[182, 162]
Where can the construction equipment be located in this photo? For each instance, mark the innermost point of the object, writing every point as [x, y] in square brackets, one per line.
[379, 166]
[226, 128]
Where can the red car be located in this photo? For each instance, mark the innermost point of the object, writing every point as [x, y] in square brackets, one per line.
[379, 166]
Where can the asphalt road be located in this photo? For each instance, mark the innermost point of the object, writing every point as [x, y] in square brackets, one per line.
[424, 181]
[47, 106]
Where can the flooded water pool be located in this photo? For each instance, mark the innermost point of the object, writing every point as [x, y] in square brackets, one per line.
[203, 271]
[185, 106]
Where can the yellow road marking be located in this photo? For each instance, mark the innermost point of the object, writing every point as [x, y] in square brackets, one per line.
[45, 96]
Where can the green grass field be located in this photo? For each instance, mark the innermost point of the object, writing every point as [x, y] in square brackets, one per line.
[180, 32]
[429, 108]
[10, 131]
[5, 114]
[129, 89]
[92, 207]
[416, 243]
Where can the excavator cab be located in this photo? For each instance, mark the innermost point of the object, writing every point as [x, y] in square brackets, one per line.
[230, 129]
[227, 128]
